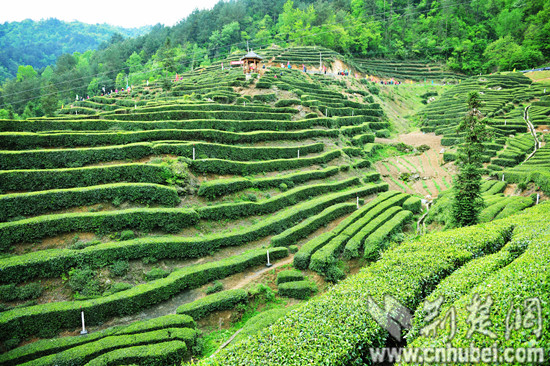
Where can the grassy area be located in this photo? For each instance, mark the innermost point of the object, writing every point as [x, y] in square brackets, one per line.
[263, 299]
[539, 76]
[402, 102]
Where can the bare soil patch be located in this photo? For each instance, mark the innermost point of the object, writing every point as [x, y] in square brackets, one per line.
[426, 167]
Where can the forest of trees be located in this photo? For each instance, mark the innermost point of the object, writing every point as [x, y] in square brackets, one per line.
[469, 36]
[40, 43]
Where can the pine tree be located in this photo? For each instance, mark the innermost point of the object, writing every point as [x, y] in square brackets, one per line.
[467, 200]
[49, 99]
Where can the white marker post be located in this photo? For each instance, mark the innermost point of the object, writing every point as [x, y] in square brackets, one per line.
[504, 122]
[83, 331]
[503, 177]
[193, 152]
[298, 153]
[358, 202]
[538, 196]
[268, 264]
[326, 112]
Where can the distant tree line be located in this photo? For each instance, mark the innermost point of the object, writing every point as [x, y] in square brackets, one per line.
[469, 36]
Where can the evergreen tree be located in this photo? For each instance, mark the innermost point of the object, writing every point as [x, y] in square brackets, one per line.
[467, 200]
[49, 100]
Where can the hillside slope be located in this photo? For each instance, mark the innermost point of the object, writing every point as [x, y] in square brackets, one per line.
[40, 43]
[505, 261]
[144, 207]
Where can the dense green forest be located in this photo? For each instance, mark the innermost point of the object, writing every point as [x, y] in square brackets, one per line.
[40, 43]
[468, 36]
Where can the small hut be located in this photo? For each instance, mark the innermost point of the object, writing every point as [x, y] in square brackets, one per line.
[251, 61]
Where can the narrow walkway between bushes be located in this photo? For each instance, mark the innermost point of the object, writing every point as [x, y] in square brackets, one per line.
[533, 132]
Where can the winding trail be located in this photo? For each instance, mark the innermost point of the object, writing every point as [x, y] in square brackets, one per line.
[533, 132]
[420, 224]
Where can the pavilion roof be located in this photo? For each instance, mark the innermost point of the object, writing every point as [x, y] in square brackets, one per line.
[252, 55]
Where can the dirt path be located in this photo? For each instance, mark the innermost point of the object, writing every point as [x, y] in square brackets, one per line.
[431, 175]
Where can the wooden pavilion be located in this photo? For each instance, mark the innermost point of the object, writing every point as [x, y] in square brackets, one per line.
[251, 62]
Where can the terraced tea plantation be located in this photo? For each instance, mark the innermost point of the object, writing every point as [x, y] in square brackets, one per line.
[406, 70]
[250, 217]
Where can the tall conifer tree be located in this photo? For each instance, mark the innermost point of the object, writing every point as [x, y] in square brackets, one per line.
[467, 200]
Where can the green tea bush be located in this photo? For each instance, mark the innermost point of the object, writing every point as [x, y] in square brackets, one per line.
[289, 275]
[55, 262]
[224, 300]
[144, 219]
[84, 281]
[406, 272]
[156, 273]
[216, 287]
[35, 203]
[51, 317]
[43, 179]
[159, 354]
[297, 289]
[127, 235]
[12, 292]
[119, 268]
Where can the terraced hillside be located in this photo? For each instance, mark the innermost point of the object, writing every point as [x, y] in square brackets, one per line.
[500, 95]
[516, 113]
[152, 214]
[406, 70]
[123, 202]
[504, 262]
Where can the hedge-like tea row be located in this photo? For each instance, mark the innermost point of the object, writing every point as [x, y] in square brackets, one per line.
[45, 347]
[539, 177]
[218, 166]
[261, 321]
[220, 187]
[371, 177]
[54, 262]
[215, 124]
[283, 200]
[309, 225]
[355, 243]
[495, 187]
[354, 130]
[322, 259]
[52, 317]
[143, 219]
[297, 289]
[287, 102]
[43, 179]
[517, 285]
[302, 258]
[28, 140]
[363, 139]
[82, 354]
[515, 205]
[373, 243]
[205, 107]
[36, 203]
[186, 115]
[224, 300]
[413, 204]
[289, 275]
[342, 314]
[160, 354]
[50, 158]
[461, 281]
[353, 151]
